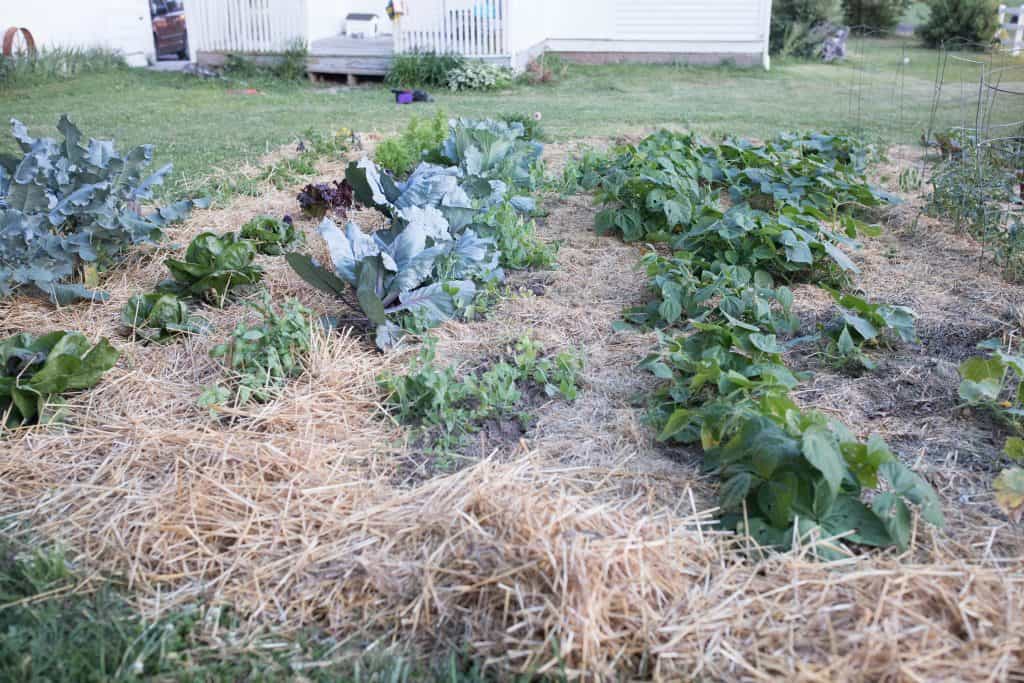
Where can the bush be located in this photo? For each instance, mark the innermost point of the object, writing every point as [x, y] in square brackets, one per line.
[793, 22]
[402, 152]
[427, 69]
[884, 15]
[477, 75]
[971, 21]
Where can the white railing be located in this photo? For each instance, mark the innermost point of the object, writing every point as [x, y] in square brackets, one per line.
[472, 28]
[1013, 38]
[245, 25]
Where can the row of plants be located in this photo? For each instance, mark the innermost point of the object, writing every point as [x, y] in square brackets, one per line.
[443, 243]
[446, 70]
[744, 221]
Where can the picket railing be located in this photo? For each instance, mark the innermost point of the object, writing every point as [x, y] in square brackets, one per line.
[472, 28]
[1011, 21]
[245, 25]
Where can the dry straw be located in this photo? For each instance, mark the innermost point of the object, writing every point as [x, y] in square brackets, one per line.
[582, 550]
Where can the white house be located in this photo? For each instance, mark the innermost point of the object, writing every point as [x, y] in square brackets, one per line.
[508, 32]
[123, 25]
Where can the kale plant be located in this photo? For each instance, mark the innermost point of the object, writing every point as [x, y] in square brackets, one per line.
[68, 210]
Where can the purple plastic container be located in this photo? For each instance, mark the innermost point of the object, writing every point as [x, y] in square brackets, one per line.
[404, 97]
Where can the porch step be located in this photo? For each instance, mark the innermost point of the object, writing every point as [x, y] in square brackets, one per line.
[351, 56]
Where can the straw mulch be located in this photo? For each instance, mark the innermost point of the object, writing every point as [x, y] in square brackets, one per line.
[583, 547]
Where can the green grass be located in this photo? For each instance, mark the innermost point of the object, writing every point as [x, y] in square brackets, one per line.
[59, 625]
[205, 126]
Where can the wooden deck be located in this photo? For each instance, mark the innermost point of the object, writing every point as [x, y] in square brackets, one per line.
[351, 56]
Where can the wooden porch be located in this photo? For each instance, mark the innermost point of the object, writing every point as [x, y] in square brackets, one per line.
[343, 55]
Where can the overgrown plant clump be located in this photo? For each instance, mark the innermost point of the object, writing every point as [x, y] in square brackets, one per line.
[479, 75]
[159, 317]
[260, 358]
[68, 210]
[448, 408]
[428, 69]
[36, 371]
[213, 265]
[425, 268]
[787, 473]
[401, 153]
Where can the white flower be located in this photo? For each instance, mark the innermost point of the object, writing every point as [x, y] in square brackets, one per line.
[537, 116]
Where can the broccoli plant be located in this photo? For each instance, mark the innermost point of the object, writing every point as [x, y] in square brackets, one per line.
[35, 371]
[68, 210]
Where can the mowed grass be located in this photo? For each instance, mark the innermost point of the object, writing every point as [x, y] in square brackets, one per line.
[212, 126]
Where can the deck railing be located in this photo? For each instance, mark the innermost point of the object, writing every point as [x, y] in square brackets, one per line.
[245, 25]
[1011, 22]
[472, 28]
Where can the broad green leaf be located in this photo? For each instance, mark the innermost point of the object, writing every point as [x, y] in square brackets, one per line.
[821, 450]
[1014, 449]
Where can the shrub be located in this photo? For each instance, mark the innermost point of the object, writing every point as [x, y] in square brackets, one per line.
[974, 22]
[794, 23]
[427, 69]
[478, 75]
[401, 153]
[876, 14]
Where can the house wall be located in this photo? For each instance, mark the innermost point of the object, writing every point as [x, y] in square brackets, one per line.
[660, 30]
[327, 17]
[123, 25]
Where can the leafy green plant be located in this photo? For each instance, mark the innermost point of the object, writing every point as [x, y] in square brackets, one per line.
[401, 153]
[37, 370]
[394, 272]
[272, 236]
[67, 211]
[516, 238]
[861, 323]
[960, 23]
[493, 151]
[531, 123]
[260, 358]
[213, 265]
[447, 407]
[318, 199]
[996, 383]
[159, 317]
[57, 64]
[427, 69]
[479, 75]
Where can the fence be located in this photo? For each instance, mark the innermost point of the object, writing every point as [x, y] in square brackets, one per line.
[245, 25]
[473, 29]
[1011, 21]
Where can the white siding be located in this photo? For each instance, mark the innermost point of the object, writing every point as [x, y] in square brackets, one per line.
[123, 25]
[653, 26]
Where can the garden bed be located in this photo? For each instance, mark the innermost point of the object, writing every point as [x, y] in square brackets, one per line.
[581, 547]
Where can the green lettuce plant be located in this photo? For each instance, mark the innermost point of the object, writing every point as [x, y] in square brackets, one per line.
[36, 371]
[159, 317]
[213, 265]
[272, 236]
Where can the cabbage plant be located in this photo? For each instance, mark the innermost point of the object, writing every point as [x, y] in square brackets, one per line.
[213, 264]
[159, 317]
[272, 236]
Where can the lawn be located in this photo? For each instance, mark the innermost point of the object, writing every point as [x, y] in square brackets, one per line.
[206, 126]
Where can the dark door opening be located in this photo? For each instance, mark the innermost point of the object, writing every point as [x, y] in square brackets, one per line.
[170, 35]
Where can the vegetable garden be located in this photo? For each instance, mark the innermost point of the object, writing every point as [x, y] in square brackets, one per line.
[669, 408]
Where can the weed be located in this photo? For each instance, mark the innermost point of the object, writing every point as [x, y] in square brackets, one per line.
[399, 154]
[516, 238]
